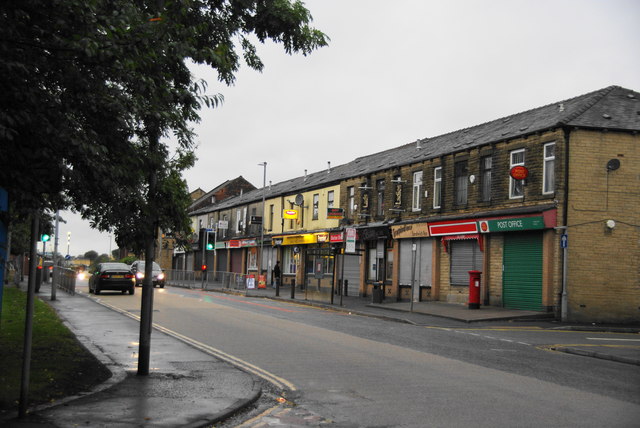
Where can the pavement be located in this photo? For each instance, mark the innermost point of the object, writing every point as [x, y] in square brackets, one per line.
[189, 387]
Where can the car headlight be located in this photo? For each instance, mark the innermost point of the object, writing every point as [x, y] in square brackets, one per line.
[139, 275]
[161, 276]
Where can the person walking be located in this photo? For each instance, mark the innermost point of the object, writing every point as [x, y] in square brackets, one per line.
[276, 273]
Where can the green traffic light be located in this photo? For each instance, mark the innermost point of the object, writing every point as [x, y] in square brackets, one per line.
[45, 237]
[209, 246]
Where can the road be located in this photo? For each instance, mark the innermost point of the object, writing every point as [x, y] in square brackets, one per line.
[361, 371]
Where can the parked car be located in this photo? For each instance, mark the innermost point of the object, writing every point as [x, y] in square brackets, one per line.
[112, 276]
[138, 269]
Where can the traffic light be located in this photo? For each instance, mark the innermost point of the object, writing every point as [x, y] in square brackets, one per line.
[209, 240]
[203, 268]
[46, 231]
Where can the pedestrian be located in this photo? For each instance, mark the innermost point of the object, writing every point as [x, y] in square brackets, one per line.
[276, 273]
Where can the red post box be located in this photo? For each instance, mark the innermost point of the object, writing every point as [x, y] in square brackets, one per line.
[474, 289]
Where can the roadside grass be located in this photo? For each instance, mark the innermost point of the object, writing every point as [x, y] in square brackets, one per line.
[60, 365]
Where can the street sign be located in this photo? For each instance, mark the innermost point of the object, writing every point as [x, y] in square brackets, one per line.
[255, 219]
[223, 224]
[564, 240]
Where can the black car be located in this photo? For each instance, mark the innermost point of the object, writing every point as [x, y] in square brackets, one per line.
[112, 276]
[138, 269]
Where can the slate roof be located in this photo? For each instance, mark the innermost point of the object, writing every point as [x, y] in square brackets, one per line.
[613, 108]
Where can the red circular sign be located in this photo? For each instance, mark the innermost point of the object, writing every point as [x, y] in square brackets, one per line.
[519, 172]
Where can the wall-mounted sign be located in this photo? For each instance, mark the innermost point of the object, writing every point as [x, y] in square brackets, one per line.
[335, 213]
[511, 224]
[223, 224]
[417, 230]
[255, 219]
[453, 228]
[322, 237]
[336, 237]
[290, 214]
[350, 240]
[519, 172]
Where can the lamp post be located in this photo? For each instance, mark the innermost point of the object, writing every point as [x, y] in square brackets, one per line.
[264, 186]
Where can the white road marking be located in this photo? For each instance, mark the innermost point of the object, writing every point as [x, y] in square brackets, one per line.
[620, 340]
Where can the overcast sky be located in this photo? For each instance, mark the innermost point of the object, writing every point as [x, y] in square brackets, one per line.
[395, 72]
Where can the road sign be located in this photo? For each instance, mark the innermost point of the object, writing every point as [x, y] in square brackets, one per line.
[564, 240]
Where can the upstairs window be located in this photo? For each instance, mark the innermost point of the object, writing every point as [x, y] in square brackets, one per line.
[271, 214]
[417, 191]
[330, 198]
[548, 185]
[437, 187]
[351, 200]
[485, 178]
[380, 198]
[516, 187]
[316, 203]
[238, 221]
[461, 174]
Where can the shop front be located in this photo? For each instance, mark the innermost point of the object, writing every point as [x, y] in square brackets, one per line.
[523, 279]
[308, 263]
[514, 243]
[347, 265]
[415, 261]
[378, 255]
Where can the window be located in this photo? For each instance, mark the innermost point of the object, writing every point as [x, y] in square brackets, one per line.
[548, 185]
[372, 268]
[316, 202]
[330, 198]
[289, 260]
[351, 202]
[437, 187]
[238, 221]
[461, 180]
[225, 218]
[389, 266]
[271, 213]
[485, 178]
[417, 191]
[380, 199]
[325, 260]
[516, 187]
[253, 258]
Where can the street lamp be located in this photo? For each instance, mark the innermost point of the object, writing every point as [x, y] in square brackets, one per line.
[264, 186]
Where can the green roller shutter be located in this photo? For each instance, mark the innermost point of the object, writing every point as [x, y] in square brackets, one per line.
[522, 276]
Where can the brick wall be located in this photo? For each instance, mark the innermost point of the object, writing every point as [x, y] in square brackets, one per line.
[604, 264]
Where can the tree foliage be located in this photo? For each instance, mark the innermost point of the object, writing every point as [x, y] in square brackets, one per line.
[92, 89]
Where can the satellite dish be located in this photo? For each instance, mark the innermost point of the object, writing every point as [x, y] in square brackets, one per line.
[613, 164]
[299, 199]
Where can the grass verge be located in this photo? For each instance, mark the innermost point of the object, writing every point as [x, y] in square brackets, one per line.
[60, 365]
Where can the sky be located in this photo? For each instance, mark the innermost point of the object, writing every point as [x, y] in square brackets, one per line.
[395, 72]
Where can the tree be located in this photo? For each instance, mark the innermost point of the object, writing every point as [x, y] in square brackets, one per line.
[91, 255]
[90, 88]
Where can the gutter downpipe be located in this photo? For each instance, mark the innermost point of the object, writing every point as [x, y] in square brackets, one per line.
[565, 217]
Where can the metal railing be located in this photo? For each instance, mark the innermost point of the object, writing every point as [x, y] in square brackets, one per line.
[64, 279]
[212, 280]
